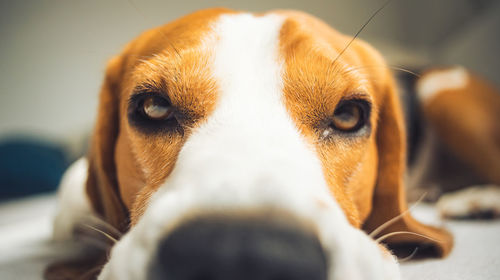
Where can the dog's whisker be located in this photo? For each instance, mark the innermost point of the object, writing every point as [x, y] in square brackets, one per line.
[393, 67]
[361, 29]
[114, 240]
[108, 227]
[405, 259]
[95, 242]
[383, 237]
[385, 225]
[404, 70]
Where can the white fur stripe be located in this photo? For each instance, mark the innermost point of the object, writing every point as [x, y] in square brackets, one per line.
[432, 84]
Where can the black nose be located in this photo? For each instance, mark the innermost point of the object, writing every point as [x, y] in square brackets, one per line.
[239, 249]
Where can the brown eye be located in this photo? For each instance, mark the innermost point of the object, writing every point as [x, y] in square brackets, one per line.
[157, 108]
[350, 116]
[151, 113]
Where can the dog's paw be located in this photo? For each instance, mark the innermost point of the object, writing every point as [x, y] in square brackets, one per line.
[476, 202]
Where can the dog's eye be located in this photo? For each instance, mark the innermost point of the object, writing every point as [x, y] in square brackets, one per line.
[350, 115]
[157, 108]
[152, 113]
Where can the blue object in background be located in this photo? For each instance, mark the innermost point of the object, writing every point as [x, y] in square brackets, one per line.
[29, 167]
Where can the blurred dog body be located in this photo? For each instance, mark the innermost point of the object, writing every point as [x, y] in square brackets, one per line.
[455, 153]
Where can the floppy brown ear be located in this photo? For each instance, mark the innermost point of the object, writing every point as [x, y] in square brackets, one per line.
[102, 184]
[389, 198]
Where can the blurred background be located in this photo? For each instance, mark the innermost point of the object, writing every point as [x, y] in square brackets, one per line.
[53, 54]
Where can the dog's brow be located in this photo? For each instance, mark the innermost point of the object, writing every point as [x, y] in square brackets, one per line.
[146, 87]
[358, 95]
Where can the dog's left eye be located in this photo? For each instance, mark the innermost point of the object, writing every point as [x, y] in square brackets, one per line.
[157, 108]
[350, 115]
[152, 113]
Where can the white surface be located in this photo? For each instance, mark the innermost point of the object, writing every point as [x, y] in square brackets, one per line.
[476, 254]
[25, 227]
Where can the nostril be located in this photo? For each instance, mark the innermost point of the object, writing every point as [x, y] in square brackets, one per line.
[251, 249]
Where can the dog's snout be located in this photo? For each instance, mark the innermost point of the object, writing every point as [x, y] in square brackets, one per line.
[228, 249]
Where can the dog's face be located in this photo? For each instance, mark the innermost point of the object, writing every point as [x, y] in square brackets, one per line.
[226, 122]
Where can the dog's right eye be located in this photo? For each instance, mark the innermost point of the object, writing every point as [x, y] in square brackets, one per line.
[151, 112]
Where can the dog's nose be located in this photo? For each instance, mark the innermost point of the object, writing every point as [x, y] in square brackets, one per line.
[243, 249]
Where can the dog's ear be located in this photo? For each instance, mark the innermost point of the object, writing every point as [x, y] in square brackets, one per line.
[389, 198]
[102, 184]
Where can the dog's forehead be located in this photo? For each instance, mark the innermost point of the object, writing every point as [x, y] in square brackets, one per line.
[310, 55]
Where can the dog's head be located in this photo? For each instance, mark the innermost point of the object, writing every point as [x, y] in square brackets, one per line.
[233, 145]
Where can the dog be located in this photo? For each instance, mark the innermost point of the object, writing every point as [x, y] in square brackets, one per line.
[456, 147]
[231, 145]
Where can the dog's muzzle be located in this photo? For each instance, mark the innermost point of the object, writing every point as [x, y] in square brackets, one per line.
[228, 248]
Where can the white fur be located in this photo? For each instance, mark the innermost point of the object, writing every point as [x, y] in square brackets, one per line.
[73, 201]
[470, 201]
[434, 83]
[249, 155]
